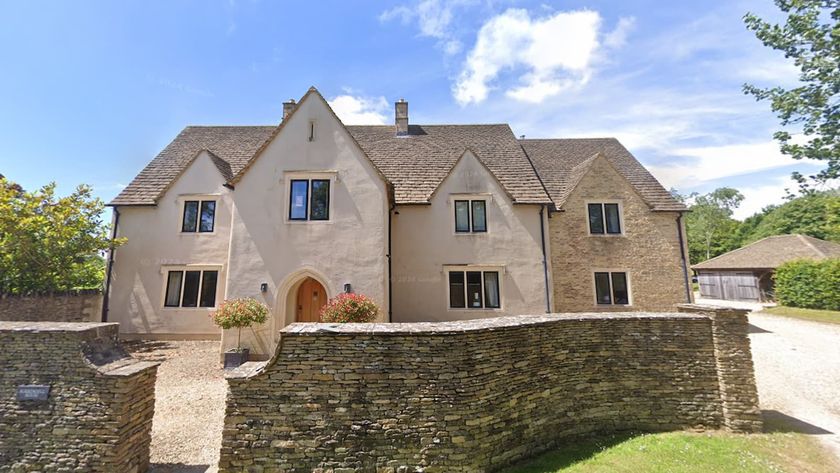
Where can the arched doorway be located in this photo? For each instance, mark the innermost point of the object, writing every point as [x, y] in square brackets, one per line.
[311, 296]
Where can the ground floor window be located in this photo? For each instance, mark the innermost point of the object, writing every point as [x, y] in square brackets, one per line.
[611, 288]
[191, 288]
[474, 290]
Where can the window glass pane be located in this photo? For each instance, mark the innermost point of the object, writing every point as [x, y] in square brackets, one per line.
[208, 215]
[320, 200]
[596, 219]
[491, 289]
[173, 289]
[190, 216]
[474, 290]
[602, 288]
[613, 225]
[208, 288]
[462, 215]
[190, 298]
[479, 217]
[456, 290]
[298, 199]
[619, 285]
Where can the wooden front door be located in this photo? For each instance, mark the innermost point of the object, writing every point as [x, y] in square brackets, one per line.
[311, 297]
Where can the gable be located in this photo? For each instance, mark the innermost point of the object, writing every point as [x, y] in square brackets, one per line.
[469, 175]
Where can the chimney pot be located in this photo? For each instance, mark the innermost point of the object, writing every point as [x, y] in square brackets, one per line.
[401, 117]
[288, 107]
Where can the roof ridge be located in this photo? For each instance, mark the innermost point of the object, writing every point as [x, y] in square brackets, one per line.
[810, 245]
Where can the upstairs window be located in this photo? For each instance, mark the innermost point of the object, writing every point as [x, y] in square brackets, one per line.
[474, 290]
[604, 219]
[611, 288]
[191, 288]
[199, 216]
[471, 216]
[309, 199]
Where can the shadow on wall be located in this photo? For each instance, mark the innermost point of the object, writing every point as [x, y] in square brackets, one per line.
[177, 468]
[775, 421]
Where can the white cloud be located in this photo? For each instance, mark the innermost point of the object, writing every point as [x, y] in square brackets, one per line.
[433, 18]
[618, 37]
[357, 110]
[758, 197]
[551, 54]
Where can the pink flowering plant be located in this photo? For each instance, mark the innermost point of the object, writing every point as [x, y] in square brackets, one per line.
[239, 313]
[346, 308]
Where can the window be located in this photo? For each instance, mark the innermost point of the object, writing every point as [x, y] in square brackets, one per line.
[604, 219]
[611, 289]
[199, 215]
[470, 216]
[474, 290]
[191, 288]
[309, 199]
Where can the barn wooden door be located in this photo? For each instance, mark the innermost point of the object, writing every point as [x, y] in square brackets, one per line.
[311, 297]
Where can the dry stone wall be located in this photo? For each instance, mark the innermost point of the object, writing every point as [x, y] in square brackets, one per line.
[474, 396]
[98, 413]
[75, 306]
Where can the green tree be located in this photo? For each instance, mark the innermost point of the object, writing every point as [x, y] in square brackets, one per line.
[710, 228]
[50, 243]
[816, 214]
[811, 36]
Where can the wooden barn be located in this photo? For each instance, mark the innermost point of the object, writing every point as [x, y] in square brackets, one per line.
[746, 274]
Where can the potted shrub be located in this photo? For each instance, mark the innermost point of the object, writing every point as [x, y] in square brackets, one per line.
[348, 307]
[239, 313]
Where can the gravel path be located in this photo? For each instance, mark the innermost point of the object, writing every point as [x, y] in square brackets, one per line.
[797, 367]
[189, 405]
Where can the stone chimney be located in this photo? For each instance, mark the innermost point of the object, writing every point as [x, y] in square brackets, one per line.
[288, 107]
[401, 117]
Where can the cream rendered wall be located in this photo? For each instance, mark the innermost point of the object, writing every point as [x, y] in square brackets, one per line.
[349, 248]
[648, 250]
[424, 240]
[154, 242]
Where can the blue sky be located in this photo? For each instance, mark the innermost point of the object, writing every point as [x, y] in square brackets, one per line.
[91, 91]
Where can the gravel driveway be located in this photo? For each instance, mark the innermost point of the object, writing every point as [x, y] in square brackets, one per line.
[189, 405]
[797, 368]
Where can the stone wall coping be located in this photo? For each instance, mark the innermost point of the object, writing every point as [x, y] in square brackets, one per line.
[54, 326]
[68, 293]
[129, 369]
[474, 325]
[706, 308]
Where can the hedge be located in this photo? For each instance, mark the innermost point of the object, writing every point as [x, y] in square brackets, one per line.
[809, 284]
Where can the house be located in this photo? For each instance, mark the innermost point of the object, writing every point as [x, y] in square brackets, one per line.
[746, 274]
[433, 222]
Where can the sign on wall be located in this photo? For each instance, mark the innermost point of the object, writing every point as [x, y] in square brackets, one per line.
[33, 392]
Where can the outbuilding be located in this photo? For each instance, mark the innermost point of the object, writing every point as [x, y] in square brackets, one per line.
[746, 274]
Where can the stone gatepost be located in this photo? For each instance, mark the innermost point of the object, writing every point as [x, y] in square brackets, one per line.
[739, 396]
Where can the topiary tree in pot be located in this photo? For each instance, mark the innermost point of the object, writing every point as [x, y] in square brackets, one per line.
[348, 307]
[238, 314]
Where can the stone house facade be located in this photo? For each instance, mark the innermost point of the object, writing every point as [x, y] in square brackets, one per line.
[433, 222]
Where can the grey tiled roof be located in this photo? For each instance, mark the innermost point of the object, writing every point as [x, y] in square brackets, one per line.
[416, 164]
[771, 252]
[561, 163]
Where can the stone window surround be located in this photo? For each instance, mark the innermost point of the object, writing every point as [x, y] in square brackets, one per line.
[164, 272]
[289, 176]
[181, 201]
[621, 221]
[500, 268]
[627, 277]
[486, 197]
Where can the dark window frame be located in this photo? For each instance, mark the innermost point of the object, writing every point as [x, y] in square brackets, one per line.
[200, 295]
[196, 221]
[312, 197]
[305, 200]
[603, 221]
[471, 227]
[464, 289]
[610, 278]
[308, 216]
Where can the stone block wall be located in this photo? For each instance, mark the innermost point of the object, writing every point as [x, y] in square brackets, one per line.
[74, 306]
[472, 396]
[648, 250]
[98, 415]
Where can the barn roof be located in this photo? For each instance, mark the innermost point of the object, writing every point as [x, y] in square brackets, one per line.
[772, 252]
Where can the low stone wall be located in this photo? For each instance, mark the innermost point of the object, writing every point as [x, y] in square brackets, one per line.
[475, 396]
[75, 306]
[98, 413]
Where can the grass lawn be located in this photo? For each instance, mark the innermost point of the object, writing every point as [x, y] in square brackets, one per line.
[827, 316]
[688, 452]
